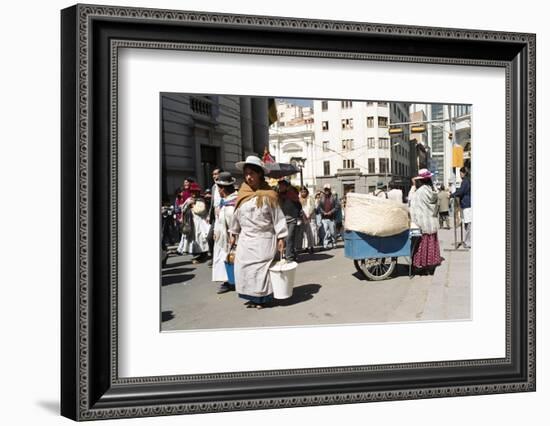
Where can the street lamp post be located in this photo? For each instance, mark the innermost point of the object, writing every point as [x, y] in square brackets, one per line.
[299, 161]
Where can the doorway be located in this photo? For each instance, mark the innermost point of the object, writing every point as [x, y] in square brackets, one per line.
[209, 161]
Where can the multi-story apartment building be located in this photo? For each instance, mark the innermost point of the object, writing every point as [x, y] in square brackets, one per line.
[354, 151]
[291, 140]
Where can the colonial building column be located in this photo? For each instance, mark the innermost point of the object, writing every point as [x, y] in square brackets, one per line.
[246, 126]
[260, 125]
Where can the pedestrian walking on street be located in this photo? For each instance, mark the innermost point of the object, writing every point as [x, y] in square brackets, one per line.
[380, 191]
[307, 235]
[260, 225]
[327, 207]
[426, 256]
[184, 189]
[318, 219]
[195, 228]
[443, 206]
[213, 211]
[289, 202]
[228, 198]
[463, 193]
[178, 205]
[395, 194]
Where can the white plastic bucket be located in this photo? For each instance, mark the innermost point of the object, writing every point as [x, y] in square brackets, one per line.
[282, 276]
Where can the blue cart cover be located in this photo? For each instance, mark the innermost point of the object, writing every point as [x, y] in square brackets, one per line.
[362, 246]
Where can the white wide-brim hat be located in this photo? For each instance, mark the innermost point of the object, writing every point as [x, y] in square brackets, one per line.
[252, 160]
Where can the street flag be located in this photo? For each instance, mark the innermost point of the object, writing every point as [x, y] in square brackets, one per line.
[272, 111]
[458, 156]
[267, 158]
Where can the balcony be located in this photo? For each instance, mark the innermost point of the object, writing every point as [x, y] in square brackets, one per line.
[202, 107]
[356, 171]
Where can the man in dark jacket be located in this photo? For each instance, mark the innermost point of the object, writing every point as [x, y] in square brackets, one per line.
[463, 193]
[328, 206]
[292, 208]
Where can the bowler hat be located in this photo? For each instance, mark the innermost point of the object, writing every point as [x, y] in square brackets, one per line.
[225, 179]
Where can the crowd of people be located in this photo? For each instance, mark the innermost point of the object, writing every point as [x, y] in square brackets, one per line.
[258, 223]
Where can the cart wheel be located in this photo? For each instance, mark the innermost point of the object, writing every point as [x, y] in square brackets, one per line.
[376, 269]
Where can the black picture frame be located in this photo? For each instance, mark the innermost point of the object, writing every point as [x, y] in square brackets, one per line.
[90, 386]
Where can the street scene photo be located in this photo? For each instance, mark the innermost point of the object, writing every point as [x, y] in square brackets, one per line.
[287, 212]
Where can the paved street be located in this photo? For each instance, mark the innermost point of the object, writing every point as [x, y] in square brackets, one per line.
[328, 290]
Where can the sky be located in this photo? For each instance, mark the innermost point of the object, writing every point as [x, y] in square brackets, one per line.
[299, 102]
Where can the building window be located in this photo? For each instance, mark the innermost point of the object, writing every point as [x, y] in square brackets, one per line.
[346, 104]
[347, 144]
[383, 143]
[324, 105]
[369, 103]
[382, 104]
[325, 125]
[349, 164]
[382, 121]
[371, 165]
[326, 168]
[347, 123]
[371, 143]
[383, 165]
[462, 110]
[325, 146]
[370, 122]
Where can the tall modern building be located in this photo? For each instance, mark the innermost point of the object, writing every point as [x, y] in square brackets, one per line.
[291, 140]
[354, 150]
[199, 133]
[446, 125]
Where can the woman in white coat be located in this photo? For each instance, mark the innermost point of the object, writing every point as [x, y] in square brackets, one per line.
[224, 216]
[261, 228]
[194, 227]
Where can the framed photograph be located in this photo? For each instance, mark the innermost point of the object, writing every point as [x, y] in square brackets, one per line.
[264, 212]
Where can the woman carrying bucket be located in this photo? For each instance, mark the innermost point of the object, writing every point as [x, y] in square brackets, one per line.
[224, 217]
[261, 226]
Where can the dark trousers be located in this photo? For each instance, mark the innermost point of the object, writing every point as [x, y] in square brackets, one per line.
[290, 252]
[210, 237]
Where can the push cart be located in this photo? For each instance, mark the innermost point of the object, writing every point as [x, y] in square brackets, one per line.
[376, 257]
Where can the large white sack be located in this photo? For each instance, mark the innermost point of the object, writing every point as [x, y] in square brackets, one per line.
[375, 216]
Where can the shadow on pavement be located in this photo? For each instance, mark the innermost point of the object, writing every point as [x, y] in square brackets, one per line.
[360, 276]
[401, 270]
[167, 316]
[306, 257]
[176, 279]
[300, 294]
[176, 271]
[174, 265]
